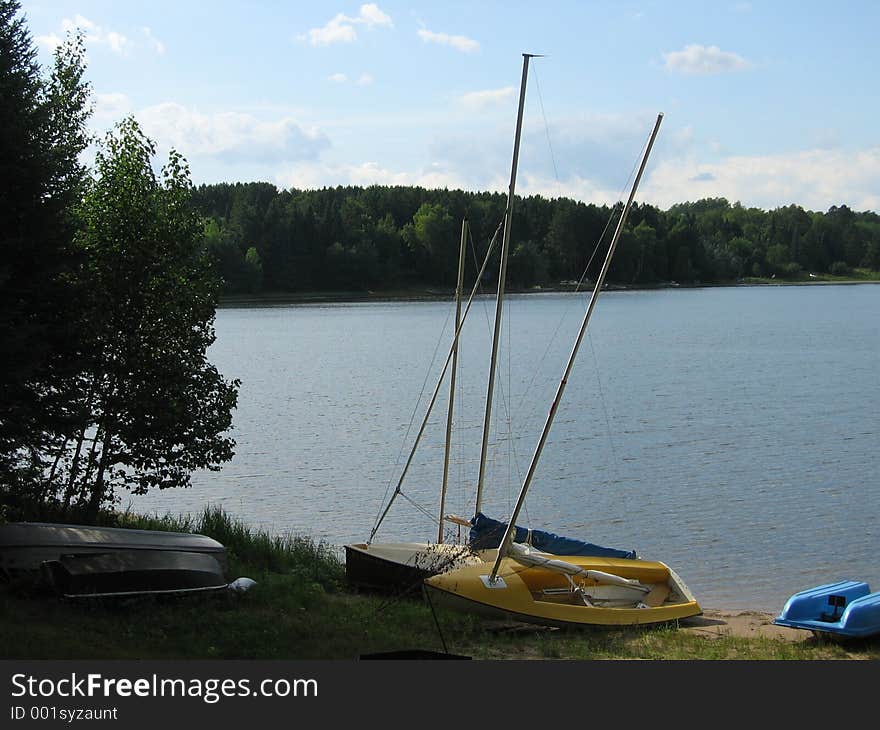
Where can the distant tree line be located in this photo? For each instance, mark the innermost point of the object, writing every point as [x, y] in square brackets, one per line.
[263, 239]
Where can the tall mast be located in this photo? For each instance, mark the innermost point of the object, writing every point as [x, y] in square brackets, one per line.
[458, 288]
[502, 276]
[511, 526]
[412, 453]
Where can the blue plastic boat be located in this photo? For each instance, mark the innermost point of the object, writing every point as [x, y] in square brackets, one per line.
[846, 608]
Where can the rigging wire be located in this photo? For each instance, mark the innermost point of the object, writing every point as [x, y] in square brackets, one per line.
[616, 210]
[399, 488]
[513, 460]
[420, 508]
[614, 460]
[507, 411]
[505, 406]
[415, 410]
[546, 125]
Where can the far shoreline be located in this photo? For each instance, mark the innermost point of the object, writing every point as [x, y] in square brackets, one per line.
[434, 294]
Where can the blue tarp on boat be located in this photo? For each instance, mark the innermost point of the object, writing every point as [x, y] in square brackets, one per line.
[486, 533]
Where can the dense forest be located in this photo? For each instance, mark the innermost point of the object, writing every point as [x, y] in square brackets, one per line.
[381, 238]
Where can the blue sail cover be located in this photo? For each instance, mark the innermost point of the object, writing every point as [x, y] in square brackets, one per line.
[486, 533]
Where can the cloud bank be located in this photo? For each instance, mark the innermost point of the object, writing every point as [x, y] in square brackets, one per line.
[230, 136]
[697, 59]
[343, 28]
[458, 42]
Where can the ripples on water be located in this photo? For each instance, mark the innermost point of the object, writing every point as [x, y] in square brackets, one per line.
[731, 433]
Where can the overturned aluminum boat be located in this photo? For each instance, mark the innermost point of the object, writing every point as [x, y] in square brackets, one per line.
[25, 546]
[133, 573]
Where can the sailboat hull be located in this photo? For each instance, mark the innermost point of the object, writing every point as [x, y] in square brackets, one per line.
[542, 596]
[402, 567]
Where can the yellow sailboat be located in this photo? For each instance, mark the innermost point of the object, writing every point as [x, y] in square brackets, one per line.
[578, 591]
[573, 591]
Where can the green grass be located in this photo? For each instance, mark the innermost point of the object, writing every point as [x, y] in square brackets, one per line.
[301, 608]
[253, 551]
[803, 277]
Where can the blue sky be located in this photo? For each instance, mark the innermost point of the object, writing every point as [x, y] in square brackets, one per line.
[765, 103]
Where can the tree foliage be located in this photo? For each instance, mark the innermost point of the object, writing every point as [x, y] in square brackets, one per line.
[380, 237]
[154, 408]
[43, 133]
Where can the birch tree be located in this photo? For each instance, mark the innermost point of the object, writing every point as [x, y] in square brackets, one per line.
[153, 409]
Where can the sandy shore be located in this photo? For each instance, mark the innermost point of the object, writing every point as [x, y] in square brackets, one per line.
[712, 623]
[719, 623]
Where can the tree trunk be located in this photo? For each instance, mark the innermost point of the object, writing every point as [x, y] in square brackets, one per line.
[47, 482]
[97, 490]
[74, 468]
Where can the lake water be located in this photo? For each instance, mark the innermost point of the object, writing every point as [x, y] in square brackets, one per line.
[729, 432]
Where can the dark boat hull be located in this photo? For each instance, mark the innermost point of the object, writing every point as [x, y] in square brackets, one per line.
[400, 568]
[133, 572]
[373, 573]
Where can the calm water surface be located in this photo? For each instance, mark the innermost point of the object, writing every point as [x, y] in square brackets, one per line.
[731, 433]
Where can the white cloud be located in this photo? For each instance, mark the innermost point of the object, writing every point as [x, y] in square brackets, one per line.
[110, 108]
[50, 41]
[487, 97]
[230, 136]
[95, 34]
[341, 28]
[697, 59]
[338, 30]
[588, 156]
[814, 179]
[459, 42]
[311, 175]
[154, 42]
[341, 78]
[371, 15]
[575, 187]
[594, 157]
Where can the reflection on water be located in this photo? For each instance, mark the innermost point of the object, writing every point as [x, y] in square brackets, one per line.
[731, 433]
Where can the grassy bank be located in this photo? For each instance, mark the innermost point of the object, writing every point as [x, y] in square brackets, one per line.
[301, 608]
